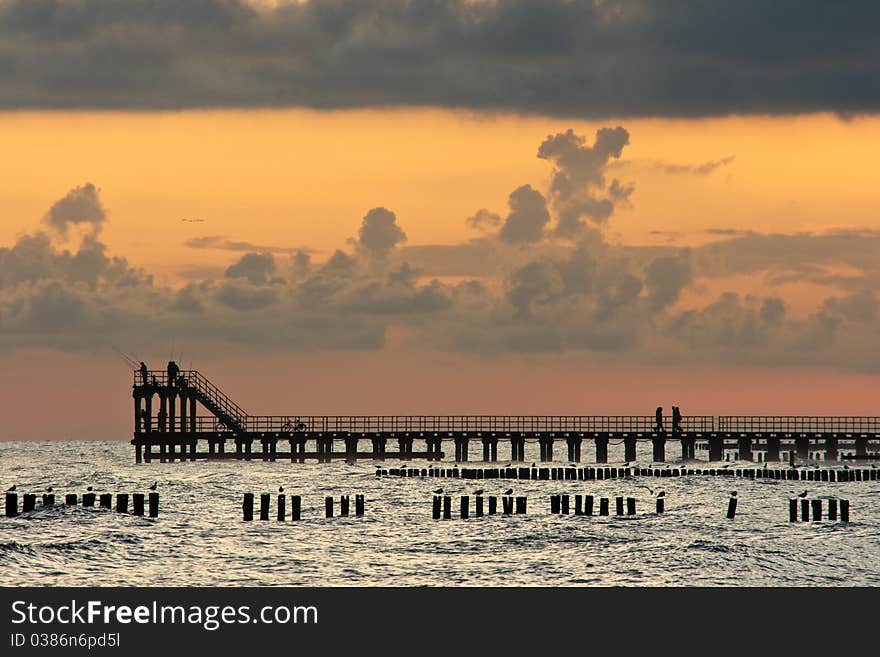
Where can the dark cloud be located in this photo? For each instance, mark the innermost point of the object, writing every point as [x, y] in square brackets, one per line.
[702, 169]
[483, 220]
[257, 268]
[379, 232]
[527, 217]
[225, 244]
[563, 58]
[666, 277]
[80, 206]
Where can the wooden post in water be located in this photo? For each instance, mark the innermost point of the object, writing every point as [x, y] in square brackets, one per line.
[520, 505]
[281, 514]
[630, 506]
[661, 504]
[105, 500]
[832, 509]
[731, 507]
[493, 505]
[11, 505]
[344, 502]
[328, 507]
[447, 507]
[465, 506]
[507, 505]
[603, 506]
[554, 503]
[28, 502]
[817, 509]
[265, 500]
[121, 502]
[70, 499]
[792, 510]
[436, 503]
[358, 505]
[247, 507]
[295, 507]
[88, 499]
[565, 503]
[153, 505]
[618, 505]
[478, 500]
[137, 504]
[844, 510]
[805, 509]
[48, 499]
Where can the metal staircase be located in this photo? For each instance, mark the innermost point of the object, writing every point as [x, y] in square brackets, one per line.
[214, 399]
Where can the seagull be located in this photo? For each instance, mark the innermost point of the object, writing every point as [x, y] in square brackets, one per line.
[733, 493]
[155, 485]
[662, 493]
[438, 491]
[509, 491]
[50, 489]
[88, 489]
[281, 489]
[479, 491]
[845, 466]
[804, 494]
[11, 488]
[533, 465]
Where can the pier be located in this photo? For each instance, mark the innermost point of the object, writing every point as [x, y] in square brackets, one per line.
[183, 416]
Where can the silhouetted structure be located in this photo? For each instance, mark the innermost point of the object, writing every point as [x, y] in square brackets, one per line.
[676, 420]
[167, 426]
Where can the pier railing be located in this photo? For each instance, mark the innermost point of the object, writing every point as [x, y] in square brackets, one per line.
[799, 424]
[471, 423]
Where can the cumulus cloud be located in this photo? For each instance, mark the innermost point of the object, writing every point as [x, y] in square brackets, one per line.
[527, 217]
[561, 58]
[379, 232]
[578, 185]
[483, 220]
[257, 268]
[80, 206]
[225, 244]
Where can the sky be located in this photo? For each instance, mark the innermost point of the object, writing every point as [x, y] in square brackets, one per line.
[439, 207]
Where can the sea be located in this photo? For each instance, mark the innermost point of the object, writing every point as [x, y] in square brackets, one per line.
[200, 538]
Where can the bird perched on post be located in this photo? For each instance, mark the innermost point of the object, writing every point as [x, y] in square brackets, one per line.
[154, 485]
[509, 491]
[733, 493]
[49, 489]
[804, 494]
[10, 489]
[438, 491]
[281, 489]
[662, 493]
[479, 491]
[88, 489]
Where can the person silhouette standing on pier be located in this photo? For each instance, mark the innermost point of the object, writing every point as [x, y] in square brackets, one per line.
[144, 372]
[676, 420]
[173, 371]
[658, 418]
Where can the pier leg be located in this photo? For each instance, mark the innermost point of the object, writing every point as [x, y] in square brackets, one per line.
[688, 448]
[716, 448]
[601, 449]
[461, 448]
[659, 448]
[546, 445]
[772, 453]
[861, 445]
[744, 444]
[517, 449]
[486, 449]
[574, 449]
[831, 448]
[351, 448]
[138, 453]
[629, 449]
[802, 446]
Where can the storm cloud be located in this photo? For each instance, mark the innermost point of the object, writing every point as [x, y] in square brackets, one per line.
[560, 58]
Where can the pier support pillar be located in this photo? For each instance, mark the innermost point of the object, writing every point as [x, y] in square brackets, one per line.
[861, 445]
[688, 448]
[184, 425]
[461, 448]
[802, 447]
[297, 448]
[716, 448]
[574, 448]
[172, 412]
[434, 446]
[601, 449]
[163, 412]
[772, 454]
[192, 414]
[490, 448]
[659, 442]
[744, 445]
[148, 412]
[379, 443]
[629, 449]
[517, 449]
[324, 446]
[545, 444]
[831, 448]
[351, 448]
[138, 453]
[405, 444]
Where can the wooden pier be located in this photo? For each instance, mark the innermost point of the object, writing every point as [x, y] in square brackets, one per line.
[183, 416]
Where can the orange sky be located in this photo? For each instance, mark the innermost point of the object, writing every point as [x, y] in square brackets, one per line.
[299, 178]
